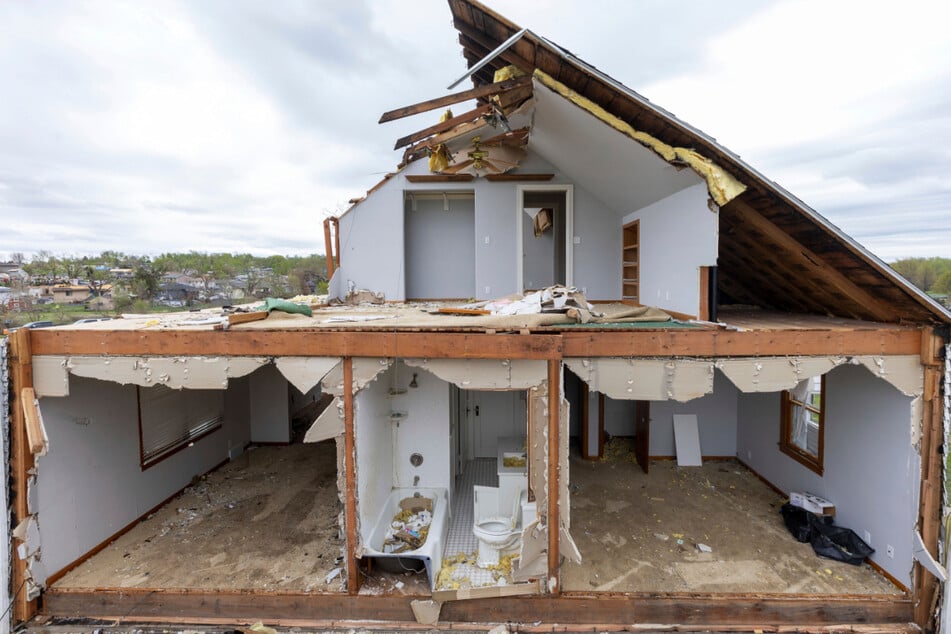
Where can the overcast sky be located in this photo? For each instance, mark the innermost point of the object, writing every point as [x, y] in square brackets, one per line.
[238, 125]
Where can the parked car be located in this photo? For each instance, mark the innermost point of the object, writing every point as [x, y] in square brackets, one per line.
[89, 320]
[37, 324]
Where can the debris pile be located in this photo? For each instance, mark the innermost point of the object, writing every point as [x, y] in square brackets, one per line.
[410, 527]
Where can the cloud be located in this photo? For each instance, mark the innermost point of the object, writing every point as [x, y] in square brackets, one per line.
[237, 125]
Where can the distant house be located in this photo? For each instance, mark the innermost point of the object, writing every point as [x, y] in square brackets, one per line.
[70, 293]
[178, 292]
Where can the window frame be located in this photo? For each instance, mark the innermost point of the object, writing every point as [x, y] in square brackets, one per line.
[198, 429]
[786, 444]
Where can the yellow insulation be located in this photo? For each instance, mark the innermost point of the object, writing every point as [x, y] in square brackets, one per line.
[723, 187]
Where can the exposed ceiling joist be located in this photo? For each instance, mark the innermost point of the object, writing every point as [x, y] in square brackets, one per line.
[448, 100]
[443, 126]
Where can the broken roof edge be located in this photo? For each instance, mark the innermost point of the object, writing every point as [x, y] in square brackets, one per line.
[922, 298]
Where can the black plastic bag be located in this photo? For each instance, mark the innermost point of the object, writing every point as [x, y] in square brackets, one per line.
[799, 522]
[839, 543]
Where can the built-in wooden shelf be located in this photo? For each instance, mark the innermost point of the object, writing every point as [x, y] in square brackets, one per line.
[630, 261]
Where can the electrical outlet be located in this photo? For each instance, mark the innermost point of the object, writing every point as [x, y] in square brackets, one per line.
[890, 551]
[486, 239]
[488, 289]
[868, 538]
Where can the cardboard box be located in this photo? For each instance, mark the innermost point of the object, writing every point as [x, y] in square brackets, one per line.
[812, 503]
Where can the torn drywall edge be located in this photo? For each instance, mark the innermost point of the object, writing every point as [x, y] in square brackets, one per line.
[50, 376]
[487, 592]
[329, 424]
[722, 186]
[305, 372]
[684, 379]
[51, 372]
[365, 371]
[774, 374]
[903, 372]
[28, 534]
[486, 374]
[646, 379]
[36, 438]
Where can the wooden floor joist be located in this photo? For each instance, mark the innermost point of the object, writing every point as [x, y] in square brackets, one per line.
[697, 342]
[698, 611]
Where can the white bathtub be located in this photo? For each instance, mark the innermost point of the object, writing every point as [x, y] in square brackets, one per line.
[431, 551]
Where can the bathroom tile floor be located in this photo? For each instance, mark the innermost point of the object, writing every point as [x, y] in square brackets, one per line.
[482, 472]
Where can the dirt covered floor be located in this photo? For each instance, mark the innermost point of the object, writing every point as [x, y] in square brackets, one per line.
[639, 533]
[266, 520]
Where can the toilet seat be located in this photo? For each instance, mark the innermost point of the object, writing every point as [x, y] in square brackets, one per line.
[496, 533]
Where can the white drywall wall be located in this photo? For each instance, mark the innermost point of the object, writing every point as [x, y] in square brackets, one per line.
[500, 414]
[678, 235]
[372, 236]
[872, 473]
[716, 415]
[238, 412]
[425, 430]
[373, 435]
[440, 247]
[269, 406]
[90, 484]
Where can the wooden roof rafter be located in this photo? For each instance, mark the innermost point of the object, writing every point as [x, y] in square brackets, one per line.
[454, 98]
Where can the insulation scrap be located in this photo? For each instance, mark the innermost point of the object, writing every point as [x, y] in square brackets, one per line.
[618, 449]
[722, 185]
[456, 572]
[408, 530]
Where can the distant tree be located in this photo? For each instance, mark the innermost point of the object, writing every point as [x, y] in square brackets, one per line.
[923, 272]
[147, 277]
[18, 258]
[943, 284]
[96, 279]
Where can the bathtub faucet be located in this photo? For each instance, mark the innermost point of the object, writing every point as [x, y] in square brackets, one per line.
[415, 481]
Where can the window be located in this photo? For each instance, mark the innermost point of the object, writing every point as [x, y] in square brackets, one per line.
[803, 422]
[170, 420]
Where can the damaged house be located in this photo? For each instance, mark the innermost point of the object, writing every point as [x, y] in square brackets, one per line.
[599, 353]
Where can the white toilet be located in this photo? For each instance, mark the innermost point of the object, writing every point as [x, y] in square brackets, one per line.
[498, 529]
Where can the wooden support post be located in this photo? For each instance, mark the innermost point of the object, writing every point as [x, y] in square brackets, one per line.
[703, 310]
[328, 249]
[350, 512]
[554, 523]
[21, 461]
[932, 482]
[336, 223]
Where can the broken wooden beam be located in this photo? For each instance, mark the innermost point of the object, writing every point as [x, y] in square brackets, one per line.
[443, 126]
[243, 318]
[448, 100]
[35, 432]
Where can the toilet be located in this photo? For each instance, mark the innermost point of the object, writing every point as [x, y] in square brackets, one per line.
[498, 529]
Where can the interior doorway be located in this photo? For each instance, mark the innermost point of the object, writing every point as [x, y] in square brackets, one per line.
[544, 227]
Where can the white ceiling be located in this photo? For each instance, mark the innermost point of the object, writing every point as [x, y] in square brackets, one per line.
[619, 171]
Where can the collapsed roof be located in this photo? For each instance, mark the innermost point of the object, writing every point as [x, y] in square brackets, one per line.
[775, 251]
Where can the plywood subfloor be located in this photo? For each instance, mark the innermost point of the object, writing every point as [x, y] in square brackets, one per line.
[267, 520]
[627, 526]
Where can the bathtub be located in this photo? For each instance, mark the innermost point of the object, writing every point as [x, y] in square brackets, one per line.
[430, 553]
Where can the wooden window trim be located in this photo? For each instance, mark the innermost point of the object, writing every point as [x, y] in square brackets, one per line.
[811, 462]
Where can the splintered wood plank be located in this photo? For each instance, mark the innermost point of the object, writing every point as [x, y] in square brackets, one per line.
[699, 611]
[443, 126]
[448, 100]
[298, 343]
[479, 41]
